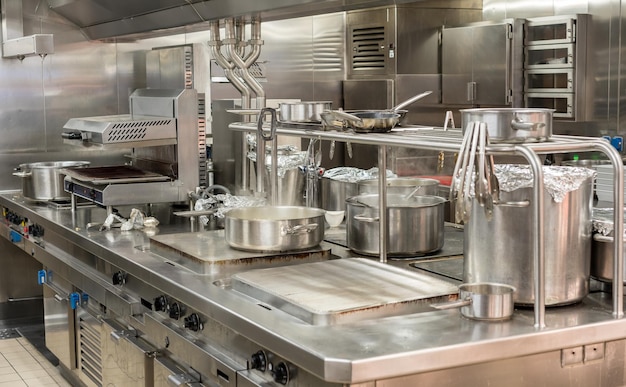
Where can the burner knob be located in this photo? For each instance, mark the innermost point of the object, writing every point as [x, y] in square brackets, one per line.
[280, 373]
[160, 304]
[258, 361]
[175, 311]
[193, 323]
[119, 278]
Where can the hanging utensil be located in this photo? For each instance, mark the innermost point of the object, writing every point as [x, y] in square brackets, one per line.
[469, 174]
[456, 190]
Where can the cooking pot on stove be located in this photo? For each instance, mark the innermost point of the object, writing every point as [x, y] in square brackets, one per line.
[415, 224]
[274, 228]
[44, 180]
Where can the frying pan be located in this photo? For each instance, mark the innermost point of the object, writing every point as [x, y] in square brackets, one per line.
[377, 121]
[369, 121]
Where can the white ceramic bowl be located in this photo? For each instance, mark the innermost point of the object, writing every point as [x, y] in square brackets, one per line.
[334, 218]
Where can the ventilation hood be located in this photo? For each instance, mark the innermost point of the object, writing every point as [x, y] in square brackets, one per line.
[102, 19]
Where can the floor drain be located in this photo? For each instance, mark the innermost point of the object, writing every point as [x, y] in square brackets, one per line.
[10, 333]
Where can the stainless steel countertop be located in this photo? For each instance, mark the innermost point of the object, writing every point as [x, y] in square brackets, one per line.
[349, 352]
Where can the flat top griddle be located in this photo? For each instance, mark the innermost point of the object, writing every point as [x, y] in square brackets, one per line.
[343, 290]
[113, 175]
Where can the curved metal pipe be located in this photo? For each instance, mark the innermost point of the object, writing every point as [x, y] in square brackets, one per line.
[246, 96]
[244, 65]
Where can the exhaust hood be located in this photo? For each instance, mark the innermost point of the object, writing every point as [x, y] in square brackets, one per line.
[102, 19]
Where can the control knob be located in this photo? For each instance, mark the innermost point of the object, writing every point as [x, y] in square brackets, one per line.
[258, 361]
[280, 373]
[176, 311]
[160, 304]
[119, 278]
[192, 322]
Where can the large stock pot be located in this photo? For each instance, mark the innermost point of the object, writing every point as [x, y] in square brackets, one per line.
[501, 249]
[415, 225]
[274, 228]
[44, 180]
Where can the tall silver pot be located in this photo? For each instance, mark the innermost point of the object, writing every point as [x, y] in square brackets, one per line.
[335, 192]
[415, 225]
[44, 180]
[501, 249]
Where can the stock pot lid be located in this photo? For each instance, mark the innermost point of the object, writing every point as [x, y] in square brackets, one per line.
[557, 180]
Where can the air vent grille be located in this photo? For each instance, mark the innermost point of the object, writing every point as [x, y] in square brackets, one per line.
[368, 48]
[90, 354]
[133, 130]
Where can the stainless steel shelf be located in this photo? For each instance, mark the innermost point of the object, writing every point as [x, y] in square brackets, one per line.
[431, 138]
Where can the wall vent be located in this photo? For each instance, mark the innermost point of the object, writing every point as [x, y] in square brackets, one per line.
[368, 48]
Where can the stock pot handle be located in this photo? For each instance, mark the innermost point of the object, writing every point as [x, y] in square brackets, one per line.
[22, 174]
[367, 219]
[520, 204]
[519, 124]
[299, 229]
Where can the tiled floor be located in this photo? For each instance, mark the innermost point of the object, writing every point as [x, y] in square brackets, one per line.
[22, 365]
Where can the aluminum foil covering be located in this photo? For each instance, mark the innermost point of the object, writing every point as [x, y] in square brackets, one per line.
[557, 180]
[285, 162]
[282, 149]
[354, 175]
[222, 203]
[602, 221]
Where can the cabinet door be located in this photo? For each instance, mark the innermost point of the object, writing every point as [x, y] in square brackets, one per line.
[57, 326]
[476, 65]
[491, 51]
[125, 360]
[456, 62]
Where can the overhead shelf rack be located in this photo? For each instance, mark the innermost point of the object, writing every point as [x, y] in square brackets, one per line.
[433, 138]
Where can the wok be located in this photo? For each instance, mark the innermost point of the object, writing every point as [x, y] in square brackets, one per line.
[377, 121]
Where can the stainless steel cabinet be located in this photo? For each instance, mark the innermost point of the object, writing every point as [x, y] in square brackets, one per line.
[58, 324]
[481, 64]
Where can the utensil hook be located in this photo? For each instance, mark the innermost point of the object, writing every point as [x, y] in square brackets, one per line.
[260, 153]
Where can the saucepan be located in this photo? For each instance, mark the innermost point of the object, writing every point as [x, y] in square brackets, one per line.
[377, 121]
[483, 301]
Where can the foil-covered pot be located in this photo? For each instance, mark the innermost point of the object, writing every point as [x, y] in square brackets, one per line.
[501, 249]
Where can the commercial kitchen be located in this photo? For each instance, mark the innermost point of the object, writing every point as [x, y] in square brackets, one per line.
[435, 202]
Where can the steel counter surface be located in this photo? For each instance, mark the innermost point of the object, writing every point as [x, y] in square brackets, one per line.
[350, 352]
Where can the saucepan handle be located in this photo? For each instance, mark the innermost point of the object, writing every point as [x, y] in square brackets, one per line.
[452, 304]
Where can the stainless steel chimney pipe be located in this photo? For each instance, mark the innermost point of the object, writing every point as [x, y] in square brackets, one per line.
[246, 96]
